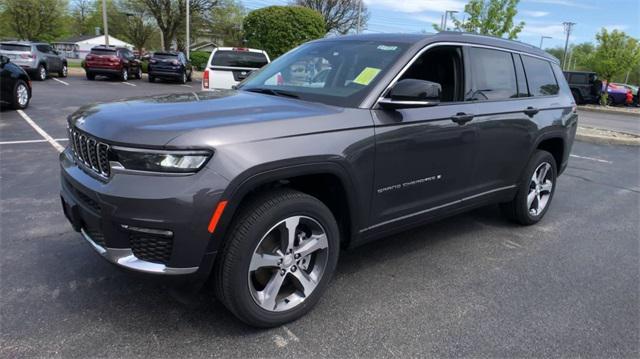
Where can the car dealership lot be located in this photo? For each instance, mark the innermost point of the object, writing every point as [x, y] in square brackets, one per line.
[473, 285]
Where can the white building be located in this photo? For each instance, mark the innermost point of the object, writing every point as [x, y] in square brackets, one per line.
[79, 46]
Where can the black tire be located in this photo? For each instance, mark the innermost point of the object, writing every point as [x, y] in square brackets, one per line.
[63, 71]
[124, 74]
[253, 221]
[20, 104]
[90, 76]
[518, 210]
[183, 78]
[190, 74]
[577, 97]
[139, 73]
[41, 73]
[151, 78]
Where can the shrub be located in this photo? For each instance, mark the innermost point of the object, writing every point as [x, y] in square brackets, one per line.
[199, 59]
[278, 29]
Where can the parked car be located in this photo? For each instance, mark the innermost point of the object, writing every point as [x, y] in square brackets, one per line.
[585, 86]
[111, 61]
[617, 95]
[170, 65]
[37, 58]
[15, 84]
[633, 90]
[263, 186]
[227, 66]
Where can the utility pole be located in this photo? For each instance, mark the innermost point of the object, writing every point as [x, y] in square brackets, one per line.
[188, 41]
[359, 15]
[568, 26]
[104, 22]
[542, 39]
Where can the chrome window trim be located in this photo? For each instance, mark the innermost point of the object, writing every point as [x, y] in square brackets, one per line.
[447, 43]
[410, 215]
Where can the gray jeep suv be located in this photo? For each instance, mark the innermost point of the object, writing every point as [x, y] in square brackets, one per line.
[336, 143]
[37, 58]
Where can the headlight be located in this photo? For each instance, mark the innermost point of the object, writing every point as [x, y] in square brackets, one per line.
[160, 161]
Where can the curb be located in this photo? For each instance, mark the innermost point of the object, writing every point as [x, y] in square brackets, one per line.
[609, 111]
[584, 135]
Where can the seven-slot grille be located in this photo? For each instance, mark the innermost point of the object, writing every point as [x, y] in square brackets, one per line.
[91, 152]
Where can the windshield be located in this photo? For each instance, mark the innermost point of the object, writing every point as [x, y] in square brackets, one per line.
[338, 73]
[254, 60]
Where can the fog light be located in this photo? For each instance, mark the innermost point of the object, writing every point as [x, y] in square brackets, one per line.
[157, 232]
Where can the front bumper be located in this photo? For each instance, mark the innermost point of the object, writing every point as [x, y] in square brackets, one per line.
[144, 223]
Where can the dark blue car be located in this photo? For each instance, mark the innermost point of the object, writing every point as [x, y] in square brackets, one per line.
[170, 65]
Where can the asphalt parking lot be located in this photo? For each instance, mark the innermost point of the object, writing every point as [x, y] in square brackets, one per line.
[473, 285]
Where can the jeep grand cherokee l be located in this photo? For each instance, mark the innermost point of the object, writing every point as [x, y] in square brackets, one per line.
[263, 186]
[113, 62]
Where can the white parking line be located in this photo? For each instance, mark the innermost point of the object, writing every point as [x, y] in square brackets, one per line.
[591, 159]
[42, 133]
[60, 81]
[128, 83]
[30, 141]
[189, 86]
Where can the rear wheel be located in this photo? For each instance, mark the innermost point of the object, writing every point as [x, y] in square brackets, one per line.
[279, 258]
[20, 95]
[124, 75]
[63, 71]
[183, 77]
[42, 73]
[535, 192]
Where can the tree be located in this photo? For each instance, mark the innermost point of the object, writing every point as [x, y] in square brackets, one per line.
[490, 17]
[615, 54]
[170, 15]
[278, 29]
[81, 10]
[140, 25]
[340, 16]
[116, 18]
[226, 22]
[578, 54]
[35, 19]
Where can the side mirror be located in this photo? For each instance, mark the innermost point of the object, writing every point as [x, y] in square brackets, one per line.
[409, 93]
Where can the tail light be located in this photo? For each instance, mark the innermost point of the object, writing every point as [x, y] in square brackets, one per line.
[28, 56]
[114, 59]
[175, 62]
[205, 79]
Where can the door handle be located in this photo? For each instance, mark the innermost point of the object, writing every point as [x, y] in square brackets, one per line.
[461, 118]
[531, 111]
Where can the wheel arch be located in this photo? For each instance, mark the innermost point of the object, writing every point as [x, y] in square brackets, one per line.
[335, 190]
[554, 143]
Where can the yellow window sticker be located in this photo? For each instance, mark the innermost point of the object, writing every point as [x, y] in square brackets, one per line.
[366, 76]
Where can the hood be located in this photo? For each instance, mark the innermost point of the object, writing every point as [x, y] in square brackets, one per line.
[156, 120]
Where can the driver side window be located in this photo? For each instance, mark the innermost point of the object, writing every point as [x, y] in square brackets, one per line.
[442, 65]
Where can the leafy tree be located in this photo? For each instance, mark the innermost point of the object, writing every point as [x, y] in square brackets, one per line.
[278, 29]
[490, 17]
[226, 21]
[340, 16]
[81, 10]
[170, 15]
[116, 18]
[578, 54]
[34, 19]
[140, 25]
[615, 54]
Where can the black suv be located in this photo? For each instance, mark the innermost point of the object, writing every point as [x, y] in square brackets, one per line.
[263, 186]
[585, 86]
[170, 65]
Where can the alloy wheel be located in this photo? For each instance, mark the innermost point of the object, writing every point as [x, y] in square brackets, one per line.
[125, 75]
[540, 189]
[65, 71]
[43, 73]
[288, 263]
[22, 95]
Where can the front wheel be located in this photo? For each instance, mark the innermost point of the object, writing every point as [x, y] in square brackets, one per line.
[184, 77]
[42, 73]
[279, 258]
[139, 73]
[124, 75]
[535, 192]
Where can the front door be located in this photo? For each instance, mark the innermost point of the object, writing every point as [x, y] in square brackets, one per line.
[424, 160]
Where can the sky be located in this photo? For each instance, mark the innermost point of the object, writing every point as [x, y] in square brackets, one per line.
[541, 17]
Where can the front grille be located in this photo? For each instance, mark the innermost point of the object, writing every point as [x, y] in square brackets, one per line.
[148, 247]
[90, 152]
[96, 236]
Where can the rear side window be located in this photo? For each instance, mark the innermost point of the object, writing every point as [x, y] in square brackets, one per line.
[581, 79]
[103, 52]
[14, 47]
[493, 75]
[540, 77]
[239, 59]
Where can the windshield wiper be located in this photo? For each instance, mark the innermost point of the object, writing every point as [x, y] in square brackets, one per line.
[273, 92]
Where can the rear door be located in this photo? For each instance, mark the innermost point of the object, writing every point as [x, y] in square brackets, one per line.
[504, 123]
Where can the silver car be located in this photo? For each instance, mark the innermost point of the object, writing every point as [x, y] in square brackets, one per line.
[38, 59]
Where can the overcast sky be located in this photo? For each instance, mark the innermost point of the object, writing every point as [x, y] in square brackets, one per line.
[542, 17]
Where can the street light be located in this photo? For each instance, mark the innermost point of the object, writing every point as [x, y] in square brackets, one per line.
[542, 39]
[446, 15]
